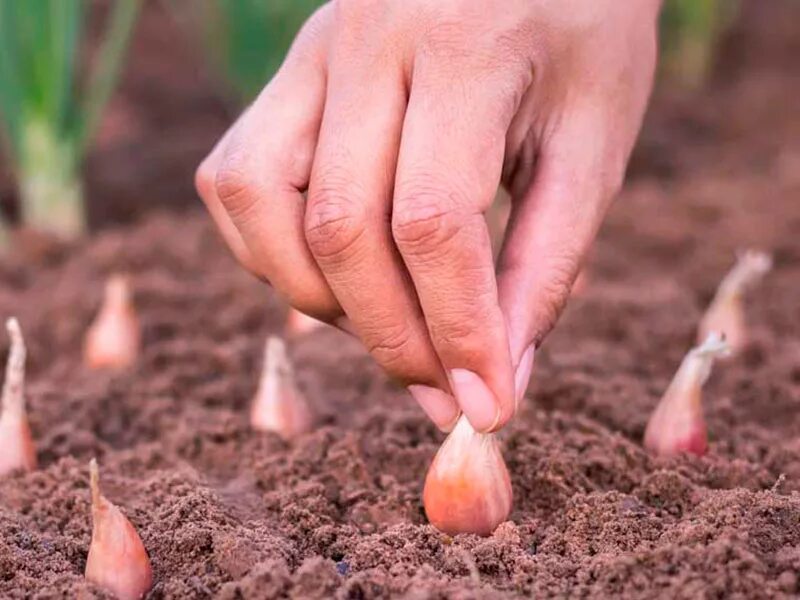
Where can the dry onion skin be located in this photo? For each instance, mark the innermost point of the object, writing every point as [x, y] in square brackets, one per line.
[725, 314]
[117, 560]
[279, 405]
[113, 340]
[677, 425]
[17, 450]
[468, 489]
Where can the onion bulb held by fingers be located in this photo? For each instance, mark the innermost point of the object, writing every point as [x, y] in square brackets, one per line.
[117, 560]
[726, 311]
[677, 424]
[467, 489]
[17, 451]
[278, 405]
[114, 339]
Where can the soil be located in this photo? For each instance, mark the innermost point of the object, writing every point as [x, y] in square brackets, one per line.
[228, 513]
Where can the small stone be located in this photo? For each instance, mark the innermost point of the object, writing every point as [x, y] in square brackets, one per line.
[343, 568]
[630, 504]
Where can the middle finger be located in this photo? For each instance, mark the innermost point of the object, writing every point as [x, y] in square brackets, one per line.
[348, 225]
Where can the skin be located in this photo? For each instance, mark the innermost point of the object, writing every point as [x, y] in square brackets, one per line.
[357, 182]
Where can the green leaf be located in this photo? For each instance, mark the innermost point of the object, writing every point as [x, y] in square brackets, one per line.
[11, 88]
[249, 38]
[105, 75]
[68, 14]
[42, 117]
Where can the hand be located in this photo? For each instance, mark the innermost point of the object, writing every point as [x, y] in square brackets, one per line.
[400, 118]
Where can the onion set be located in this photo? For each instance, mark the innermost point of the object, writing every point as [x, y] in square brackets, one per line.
[726, 311]
[17, 451]
[467, 489]
[117, 560]
[279, 405]
[114, 339]
[677, 425]
[51, 104]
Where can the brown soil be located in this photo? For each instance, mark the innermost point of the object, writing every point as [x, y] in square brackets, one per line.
[228, 513]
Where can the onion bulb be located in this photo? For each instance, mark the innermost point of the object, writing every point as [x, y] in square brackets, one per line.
[726, 311]
[677, 424]
[467, 489]
[17, 451]
[278, 405]
[113, 340]
[117, 560]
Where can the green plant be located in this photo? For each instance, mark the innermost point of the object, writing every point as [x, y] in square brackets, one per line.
[690, 34]
[47, 123]
[247, 39]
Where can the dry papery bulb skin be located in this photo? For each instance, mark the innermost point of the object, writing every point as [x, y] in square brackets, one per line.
[279, 405]
[113, 340]
[117, 560]
[17, 450]
[677, 425]
[299, 323]
[726, 311]
[467, 489]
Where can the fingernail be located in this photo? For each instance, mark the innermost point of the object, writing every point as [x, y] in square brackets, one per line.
[438, 405]
[476, 400]
[523, 375]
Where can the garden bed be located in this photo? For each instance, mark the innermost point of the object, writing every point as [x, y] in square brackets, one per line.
[226, 512]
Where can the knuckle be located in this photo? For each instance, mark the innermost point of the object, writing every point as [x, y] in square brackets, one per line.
[421, 230]
[455, 335]
[452, 332]
[238, 192]
[334, 223]
[390, 348]
[204, 178]
[423, 223]
[450, 39]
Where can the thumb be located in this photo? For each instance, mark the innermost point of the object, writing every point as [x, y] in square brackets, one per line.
[552, 224]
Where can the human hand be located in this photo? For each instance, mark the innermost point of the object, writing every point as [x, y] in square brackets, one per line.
[400, 118]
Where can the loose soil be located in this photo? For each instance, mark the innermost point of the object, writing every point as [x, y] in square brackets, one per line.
[228, 513]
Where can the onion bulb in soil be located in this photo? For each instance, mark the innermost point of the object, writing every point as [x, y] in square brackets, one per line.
[677, 425]
[17, 451]
[299, 323]
[117, 560]
[726, 311]
[278, 405]
[467, 489]
[113, 340]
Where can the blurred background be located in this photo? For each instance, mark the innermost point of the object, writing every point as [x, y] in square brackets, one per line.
[106, 107]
